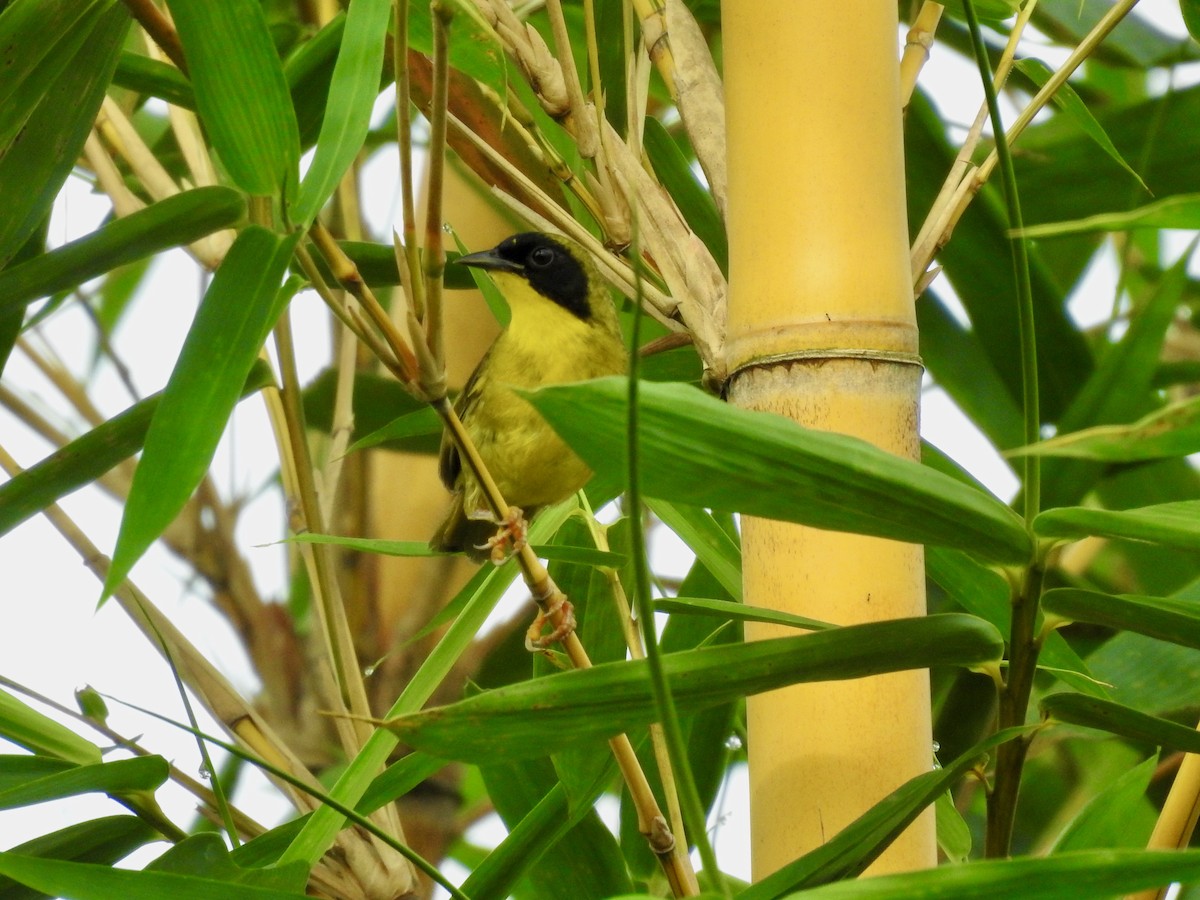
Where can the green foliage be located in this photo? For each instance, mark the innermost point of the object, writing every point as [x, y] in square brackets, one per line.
[1106, 178]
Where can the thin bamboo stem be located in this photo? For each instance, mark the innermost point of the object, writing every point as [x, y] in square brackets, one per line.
[662, 756]
[159, 27]
[433, 376]
[1024, 644]
[916, 48]
[409, 260]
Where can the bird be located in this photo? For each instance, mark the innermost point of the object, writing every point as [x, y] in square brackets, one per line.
[563, 327]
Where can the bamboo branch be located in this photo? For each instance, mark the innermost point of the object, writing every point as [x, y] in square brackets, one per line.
[916, 48]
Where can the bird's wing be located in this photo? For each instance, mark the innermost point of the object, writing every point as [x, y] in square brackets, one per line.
[449, 463]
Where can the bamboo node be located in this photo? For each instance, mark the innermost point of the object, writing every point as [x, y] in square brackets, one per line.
[825, 354]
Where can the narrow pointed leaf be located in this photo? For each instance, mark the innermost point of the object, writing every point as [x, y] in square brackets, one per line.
[1086, 875]
[241, 94]
[40, 38]
[542, 716]
[1173, 430]
[352, 94]
[1125, 721]
[1171, 524]
[1112, 816]
[984, 593]
[234, 318]
[856, 846]
[143, 773]
[1182, 211]
[85, 881]
[1165, 618]
[1119, 388]
[700, 451]
[169, 223]
[157, 79]
[1068, 101]
[716, 550]
[413, 432]
[105, 840]
[88, 457]
[42, 152]
[38, 733]
[740, 612]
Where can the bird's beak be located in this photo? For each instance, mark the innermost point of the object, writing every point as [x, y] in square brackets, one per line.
[489, 260]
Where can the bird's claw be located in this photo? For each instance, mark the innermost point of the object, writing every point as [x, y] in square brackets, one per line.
[509, 538]
[535, 641]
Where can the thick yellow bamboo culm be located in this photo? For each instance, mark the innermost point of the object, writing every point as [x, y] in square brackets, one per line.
[822, 329]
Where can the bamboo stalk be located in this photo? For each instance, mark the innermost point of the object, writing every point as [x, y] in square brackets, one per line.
[822, 329]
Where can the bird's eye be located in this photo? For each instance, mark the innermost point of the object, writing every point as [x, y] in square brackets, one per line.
[541, 257]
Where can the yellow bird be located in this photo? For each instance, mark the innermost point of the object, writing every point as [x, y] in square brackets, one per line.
[563, 328]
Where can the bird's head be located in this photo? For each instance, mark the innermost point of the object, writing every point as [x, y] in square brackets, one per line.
[553, 267]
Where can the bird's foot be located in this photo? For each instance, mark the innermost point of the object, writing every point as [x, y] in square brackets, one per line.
[509, 538]
[535, 641]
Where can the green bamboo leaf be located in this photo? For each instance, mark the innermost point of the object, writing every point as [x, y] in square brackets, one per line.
[1166, 618]
[169, 223]
[28, 728]
[1112, 815]
[958, 360]
[700, 451]
[1171, 524]
[716, 550]
[1118, 389]
[105, 841]
[542, 716]
[143, 773]
[474, 47]
[984, 593]
[414, 432]
[1085, 875]
[1191, 17]
[849, 852]
[1068, 101]
[1149, 674]
[692, 198]
[352, 94]
[546, 822]
[735, 611]
[54, 119]
[466, 614]
[235, 316]
[378, 400]
[1125, 721]
[1136, 43]
[85, 881]
[18, 769]
[1182, 211]
[953, 832]
[398, 779]
[39, 40]
[978, 263]
[205, 856]
[241, 94]
[88, 457]
[1173, 430]
[153, 78]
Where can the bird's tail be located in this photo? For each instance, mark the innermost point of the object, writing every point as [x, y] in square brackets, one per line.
[461, 534]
